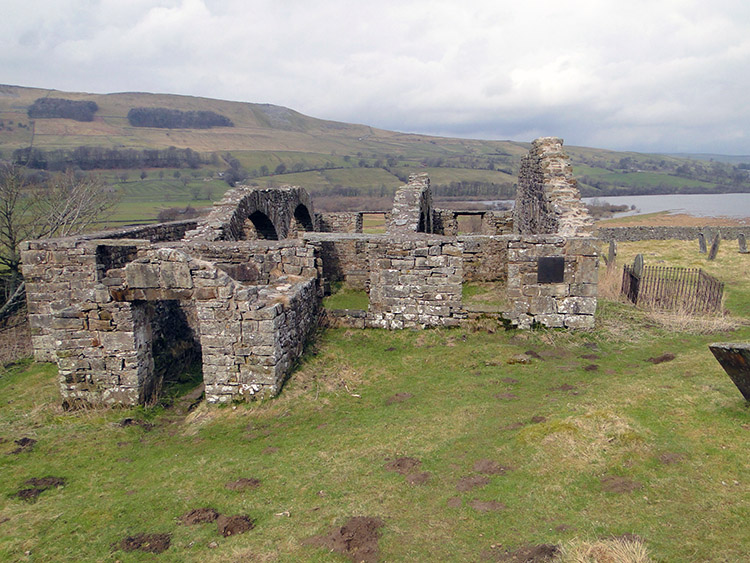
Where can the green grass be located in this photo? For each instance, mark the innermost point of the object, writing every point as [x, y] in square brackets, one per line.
[343, 297]
[335, 430]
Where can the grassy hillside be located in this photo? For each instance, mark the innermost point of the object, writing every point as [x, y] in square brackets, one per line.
[278, 145]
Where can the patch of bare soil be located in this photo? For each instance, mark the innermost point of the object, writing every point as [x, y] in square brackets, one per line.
[667, 357]
[233, 525]
[418, 478]
[538, 418]
[591, 367]
[357, 539]
[506, 396]
[486, 505]
[150, 543]
[472, 482]
[542, 553]
[509, 380]
[617, 484]
[270, 450]
[454, 502]
[37, 486]
[403, 465]
[24, 445]
[490, 467]
[125, 422]
[398, 398]
[243, 484]
[670, 458]
[590, 356]
[565, 387]
[199, 516]
[533, 354]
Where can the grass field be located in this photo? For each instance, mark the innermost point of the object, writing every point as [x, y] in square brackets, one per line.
[515, 439]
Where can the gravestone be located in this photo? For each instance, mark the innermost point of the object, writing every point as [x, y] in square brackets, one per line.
[611, 255]
[714, 247]
[735, 359]
[638, 266]
[702, 243]
[742, 242]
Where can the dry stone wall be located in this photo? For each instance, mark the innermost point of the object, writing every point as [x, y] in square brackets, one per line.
[547, 199]
[412, 207]
[626, 234]
[340, 222]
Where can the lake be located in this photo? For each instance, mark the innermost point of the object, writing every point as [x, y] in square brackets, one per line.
[736, 206]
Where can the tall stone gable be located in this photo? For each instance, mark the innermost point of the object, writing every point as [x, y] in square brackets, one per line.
[548, 200]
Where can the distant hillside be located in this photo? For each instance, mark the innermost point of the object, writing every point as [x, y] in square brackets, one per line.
[267, 143]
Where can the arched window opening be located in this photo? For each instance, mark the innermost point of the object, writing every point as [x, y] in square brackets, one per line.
[259, 226]
[302, 219]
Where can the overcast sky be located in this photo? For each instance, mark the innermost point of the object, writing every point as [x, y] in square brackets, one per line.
[645, 75]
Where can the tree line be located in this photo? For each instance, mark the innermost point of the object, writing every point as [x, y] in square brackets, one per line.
[167, 118]
[59, 107]
[100, 158]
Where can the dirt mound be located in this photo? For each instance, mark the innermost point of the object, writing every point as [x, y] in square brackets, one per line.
[418, 478]
[243, 484]
[398, 398]
[591, 367]
[356, 539]
[199, 516]
[533, 354]
[538, 419]
[509, 380]
[489, 467]
[233, 525]
[270, 450]
[37, 485]
[472, 482]
[403, 465]
[487, 505]
[617, 484]
[150, 543]
[667, 357]
[24, 445]
[541, 553]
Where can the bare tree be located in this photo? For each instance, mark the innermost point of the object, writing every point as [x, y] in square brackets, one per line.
[63, 206]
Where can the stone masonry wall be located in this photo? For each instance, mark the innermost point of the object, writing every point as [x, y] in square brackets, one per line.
[625, 234]
[571, 301]
[414, 283]
[343, 257]
[340, 222]
[547, 199]
[412, 207]
[485, 258]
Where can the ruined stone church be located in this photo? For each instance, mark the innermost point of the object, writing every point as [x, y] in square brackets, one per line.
[241, 288]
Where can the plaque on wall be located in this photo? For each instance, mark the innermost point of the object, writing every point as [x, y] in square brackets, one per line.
[550, 269]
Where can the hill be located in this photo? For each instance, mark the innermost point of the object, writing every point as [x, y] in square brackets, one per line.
[264, 143]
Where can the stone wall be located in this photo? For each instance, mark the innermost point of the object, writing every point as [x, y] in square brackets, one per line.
[547, 199]
[414, 283]
[625, 234]
[412, 207]
[445, 222]
[566, 301]
[485, 258]
[340, 222]
[344, 257]
[246, 213]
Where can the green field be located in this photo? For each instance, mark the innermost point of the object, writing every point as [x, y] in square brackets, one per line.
[517, 439]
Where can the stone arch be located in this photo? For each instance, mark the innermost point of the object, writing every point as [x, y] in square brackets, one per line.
[259, 226]
[257, 213]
